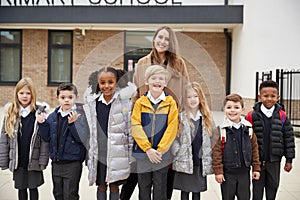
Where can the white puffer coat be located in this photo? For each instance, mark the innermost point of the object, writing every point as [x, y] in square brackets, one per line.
[119, 141]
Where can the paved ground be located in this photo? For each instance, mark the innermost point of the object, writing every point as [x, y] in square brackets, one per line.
[289, 185]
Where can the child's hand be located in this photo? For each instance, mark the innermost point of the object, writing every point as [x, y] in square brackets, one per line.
[154, 155]
[255, 175]
[41, 117]
[288, 167]
[220, 178]
[73, 116]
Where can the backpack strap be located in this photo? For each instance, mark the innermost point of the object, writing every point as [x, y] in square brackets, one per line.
[223, 138]
[250, 132]
[249, 117]
[282, 116]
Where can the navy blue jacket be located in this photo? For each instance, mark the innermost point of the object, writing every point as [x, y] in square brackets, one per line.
[72, 141]
[232, 159]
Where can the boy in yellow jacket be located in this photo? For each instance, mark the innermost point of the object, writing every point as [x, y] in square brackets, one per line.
[154, 124]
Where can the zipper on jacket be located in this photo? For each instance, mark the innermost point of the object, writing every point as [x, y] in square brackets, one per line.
[153, 121]
[153, 127]
[17, 145]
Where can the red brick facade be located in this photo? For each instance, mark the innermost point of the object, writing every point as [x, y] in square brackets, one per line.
[204, 52]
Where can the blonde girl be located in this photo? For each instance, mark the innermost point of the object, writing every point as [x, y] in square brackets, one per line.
[21, 149]
[192, 149]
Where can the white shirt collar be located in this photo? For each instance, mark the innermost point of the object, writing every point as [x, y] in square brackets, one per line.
[198, 115]
[101, 98]
[63, 114]
[235, 125]
[161, 97]
[24, 112]
[266, 111]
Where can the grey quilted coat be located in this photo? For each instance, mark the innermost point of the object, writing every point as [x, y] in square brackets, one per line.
[182, 150]
[38, 154]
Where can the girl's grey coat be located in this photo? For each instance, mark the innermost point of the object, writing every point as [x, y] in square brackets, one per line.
[38, 154]
[119, 140]
[182, 150]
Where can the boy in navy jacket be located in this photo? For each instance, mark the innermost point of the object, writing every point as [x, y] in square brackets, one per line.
[67, 131]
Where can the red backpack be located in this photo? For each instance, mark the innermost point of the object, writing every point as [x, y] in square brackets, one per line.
[282, 117]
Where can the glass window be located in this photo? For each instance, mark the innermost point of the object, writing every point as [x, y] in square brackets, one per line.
[137, 45]
[10, 56]
[60, 57]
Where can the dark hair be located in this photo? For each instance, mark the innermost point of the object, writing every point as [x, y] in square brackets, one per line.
[268, 83]
[234, 98]
[122, 78]
[66, 86]
[93, 81]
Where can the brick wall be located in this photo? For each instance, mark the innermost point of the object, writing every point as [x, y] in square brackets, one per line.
[205, 55]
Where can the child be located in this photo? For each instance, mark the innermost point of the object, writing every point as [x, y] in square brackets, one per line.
[67, 131]
[165, 52]
[235, 151]
[275, 139]
[192, 150]
[154, 126]
[108, 114]
[21, 147]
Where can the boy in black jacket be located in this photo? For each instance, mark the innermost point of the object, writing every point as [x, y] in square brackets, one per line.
[275, 137]
[67, 131]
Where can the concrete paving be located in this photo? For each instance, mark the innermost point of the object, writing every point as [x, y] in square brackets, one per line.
[289, 185]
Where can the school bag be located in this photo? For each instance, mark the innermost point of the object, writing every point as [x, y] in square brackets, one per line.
[282, 117]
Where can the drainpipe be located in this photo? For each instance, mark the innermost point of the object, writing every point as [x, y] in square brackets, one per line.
[228, 59]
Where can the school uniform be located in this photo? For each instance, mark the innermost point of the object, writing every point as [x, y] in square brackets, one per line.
[275, 139]
[192, 160]
[67, 150]
[156, 120]
[194, 182]
[110, 143]
[22, 177]
[25, 154]
[233, 158]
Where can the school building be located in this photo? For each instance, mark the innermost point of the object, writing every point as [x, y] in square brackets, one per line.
[224, 42]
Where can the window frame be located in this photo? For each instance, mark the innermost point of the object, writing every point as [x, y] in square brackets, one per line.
[62, 46]
[17, 46]
[127, 53]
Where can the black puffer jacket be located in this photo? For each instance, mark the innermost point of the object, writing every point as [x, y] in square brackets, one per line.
[281, 138]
